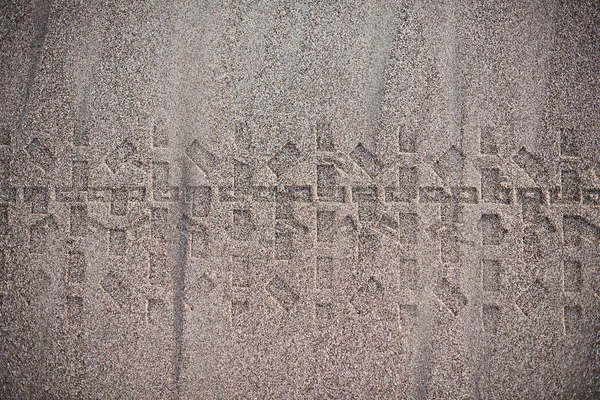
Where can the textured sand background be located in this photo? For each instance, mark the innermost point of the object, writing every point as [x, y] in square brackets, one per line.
[300, 199]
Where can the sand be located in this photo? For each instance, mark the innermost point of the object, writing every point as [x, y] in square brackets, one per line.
[309, 200]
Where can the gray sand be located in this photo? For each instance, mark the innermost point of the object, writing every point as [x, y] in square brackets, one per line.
[317, 199]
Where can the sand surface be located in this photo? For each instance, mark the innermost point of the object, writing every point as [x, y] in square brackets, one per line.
[299, 199]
